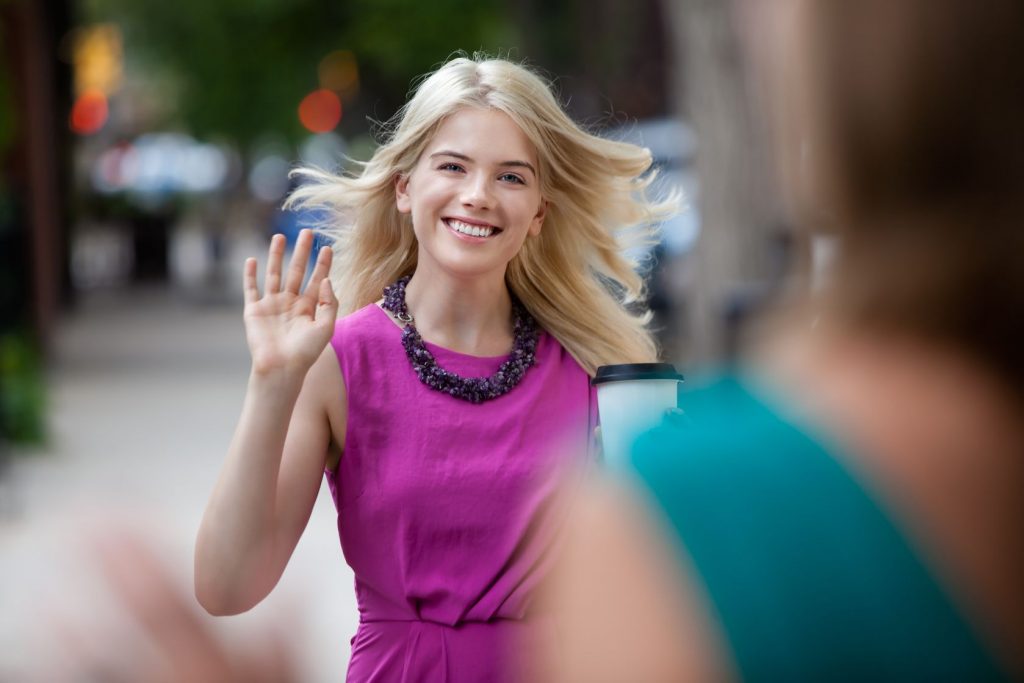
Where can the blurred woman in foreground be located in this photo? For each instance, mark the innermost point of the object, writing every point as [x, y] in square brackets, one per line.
[850, 503]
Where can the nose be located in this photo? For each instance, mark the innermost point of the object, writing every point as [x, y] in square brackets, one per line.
[476, 192]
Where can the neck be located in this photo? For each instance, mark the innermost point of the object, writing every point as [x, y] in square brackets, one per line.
[471, 315]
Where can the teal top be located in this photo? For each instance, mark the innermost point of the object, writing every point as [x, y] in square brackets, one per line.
[808, 576]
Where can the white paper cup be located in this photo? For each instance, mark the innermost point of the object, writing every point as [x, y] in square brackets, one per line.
[632, 398]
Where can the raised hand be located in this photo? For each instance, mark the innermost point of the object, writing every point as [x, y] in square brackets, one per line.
[287, 329]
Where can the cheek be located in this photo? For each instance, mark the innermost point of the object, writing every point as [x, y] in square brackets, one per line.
[431, 196]
[516, 245]
[526, 208]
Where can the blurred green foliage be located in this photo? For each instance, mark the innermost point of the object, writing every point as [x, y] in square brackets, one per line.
[239, 68]
[22, 390]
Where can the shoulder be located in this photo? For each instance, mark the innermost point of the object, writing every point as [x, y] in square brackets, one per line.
[357, 330]
[773, 517]
[367, 317]
[613, 564]
[365, 326]
[550, 350]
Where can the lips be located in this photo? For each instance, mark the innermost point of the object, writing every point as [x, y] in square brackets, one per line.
[471, 228]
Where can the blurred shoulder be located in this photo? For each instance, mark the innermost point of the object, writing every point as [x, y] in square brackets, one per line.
[616, 563]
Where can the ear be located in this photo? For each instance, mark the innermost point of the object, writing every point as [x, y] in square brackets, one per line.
[538, 220]
[402, 199]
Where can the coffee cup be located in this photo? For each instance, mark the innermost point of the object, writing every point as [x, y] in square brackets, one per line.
[632, 398]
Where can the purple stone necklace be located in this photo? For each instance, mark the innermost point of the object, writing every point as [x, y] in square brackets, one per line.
[472, 389]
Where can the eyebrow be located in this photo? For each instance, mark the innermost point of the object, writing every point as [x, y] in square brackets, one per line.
[514, 162]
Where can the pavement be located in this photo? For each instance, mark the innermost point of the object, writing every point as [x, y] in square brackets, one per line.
[145, 386]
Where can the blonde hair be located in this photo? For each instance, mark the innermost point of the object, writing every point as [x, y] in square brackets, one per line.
[572, 277]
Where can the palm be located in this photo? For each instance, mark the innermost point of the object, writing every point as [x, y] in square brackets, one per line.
[287, 328]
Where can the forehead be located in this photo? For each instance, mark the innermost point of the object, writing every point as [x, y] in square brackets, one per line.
[484, 135]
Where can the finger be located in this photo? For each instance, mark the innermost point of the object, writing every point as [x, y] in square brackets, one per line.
[274, 258]
[327, 304]
[320, 270]
[300, 257]
[249, 289]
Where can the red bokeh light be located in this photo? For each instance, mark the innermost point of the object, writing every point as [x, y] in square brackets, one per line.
[89, 112]
[320, 111]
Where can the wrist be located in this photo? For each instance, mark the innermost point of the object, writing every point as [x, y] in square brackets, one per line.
[275, 380]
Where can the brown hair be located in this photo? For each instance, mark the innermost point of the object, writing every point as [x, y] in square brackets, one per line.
[916, 117]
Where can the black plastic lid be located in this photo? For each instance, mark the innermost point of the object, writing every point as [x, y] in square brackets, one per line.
[625, 372]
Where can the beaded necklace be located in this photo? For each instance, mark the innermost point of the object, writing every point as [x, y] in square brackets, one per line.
[472, 389]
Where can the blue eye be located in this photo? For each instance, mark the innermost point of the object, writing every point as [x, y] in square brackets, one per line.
[449, 166]
[512, 178]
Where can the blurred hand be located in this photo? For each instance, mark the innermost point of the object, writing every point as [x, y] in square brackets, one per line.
[169, 640]
[287, 329]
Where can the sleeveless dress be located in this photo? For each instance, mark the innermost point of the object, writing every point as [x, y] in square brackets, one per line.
[445, 508]
[807, 574]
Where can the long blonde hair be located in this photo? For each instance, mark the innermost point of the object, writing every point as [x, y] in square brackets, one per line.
[573, 277]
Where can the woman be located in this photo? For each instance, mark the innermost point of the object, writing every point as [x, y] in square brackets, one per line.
[847, 505]
[487, 218]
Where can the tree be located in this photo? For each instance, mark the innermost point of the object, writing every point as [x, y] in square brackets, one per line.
[237, 69]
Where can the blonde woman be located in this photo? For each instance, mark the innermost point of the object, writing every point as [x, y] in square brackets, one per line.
[493, 225]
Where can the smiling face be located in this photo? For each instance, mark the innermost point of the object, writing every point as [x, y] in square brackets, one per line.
[474, 194]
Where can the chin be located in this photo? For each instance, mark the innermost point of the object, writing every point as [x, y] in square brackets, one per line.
[467, 271]
[469, 266]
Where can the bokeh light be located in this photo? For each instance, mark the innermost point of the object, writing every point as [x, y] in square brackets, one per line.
[339, 72]
[160, 164]
[97, 55]
[320, 111]
[89, 112]
[268, 179]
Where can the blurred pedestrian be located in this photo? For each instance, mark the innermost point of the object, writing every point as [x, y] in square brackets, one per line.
[849, 504]
[487, 218]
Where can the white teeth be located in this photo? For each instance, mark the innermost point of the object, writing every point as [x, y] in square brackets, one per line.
[467, 229]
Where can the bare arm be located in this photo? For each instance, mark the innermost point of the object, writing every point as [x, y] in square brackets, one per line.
[271, 475]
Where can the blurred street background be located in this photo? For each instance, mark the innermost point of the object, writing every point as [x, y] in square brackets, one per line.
[144, 153]
[143, 389]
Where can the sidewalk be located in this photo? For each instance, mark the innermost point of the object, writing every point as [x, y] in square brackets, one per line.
[144, 392]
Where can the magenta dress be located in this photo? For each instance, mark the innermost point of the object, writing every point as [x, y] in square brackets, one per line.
[446, 508]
